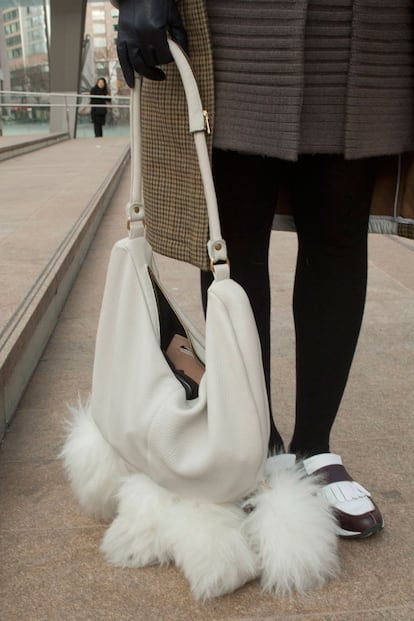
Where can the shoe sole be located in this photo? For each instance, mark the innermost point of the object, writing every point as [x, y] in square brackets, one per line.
[346, 534]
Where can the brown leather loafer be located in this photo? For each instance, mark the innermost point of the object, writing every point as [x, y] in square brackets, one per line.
[357, 514]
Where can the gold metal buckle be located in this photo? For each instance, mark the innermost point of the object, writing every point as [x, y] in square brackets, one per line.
[129, 220]
[212, 264]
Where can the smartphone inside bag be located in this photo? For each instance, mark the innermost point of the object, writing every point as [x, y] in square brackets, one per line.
[181, 354]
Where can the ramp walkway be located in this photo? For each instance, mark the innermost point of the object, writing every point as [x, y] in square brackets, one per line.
[51, 567]
[51, 203]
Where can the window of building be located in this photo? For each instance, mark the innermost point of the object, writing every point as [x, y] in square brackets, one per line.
[34, 35]
[39, 47]
[16, 53]
[35, 20]
[98, 15]
[115, 13]
[99, 28]
[16, 40]
[9, 15]
[10, 28]
[99, 41]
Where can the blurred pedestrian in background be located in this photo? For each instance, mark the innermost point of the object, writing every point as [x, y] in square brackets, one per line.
[98, 106]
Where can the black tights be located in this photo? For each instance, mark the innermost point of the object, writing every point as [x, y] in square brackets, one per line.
[97, 127]
[330, 200]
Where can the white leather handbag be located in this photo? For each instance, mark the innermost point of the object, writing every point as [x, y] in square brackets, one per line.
[189, 412]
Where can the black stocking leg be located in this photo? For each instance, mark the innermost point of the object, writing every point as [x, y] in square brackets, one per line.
[331, 207]
[98, 130]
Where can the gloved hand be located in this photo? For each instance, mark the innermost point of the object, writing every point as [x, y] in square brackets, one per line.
[142, 36]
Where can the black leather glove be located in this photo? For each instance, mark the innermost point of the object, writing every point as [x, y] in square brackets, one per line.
[142, 36]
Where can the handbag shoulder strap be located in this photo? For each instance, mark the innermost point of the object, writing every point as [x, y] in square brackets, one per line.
[197, 123]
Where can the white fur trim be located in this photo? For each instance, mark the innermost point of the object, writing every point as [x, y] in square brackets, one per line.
[204, 540]
[293, 531]
[93, 467]
[210, 549]
[289, 537]
[136, 537]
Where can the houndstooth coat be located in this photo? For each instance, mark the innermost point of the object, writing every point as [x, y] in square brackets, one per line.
[176, 217]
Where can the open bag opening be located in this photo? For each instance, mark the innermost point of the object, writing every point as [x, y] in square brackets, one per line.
[176, 344]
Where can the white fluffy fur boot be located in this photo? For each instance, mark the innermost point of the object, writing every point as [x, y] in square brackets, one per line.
[292, 529]
[93, 467]
[204, 540]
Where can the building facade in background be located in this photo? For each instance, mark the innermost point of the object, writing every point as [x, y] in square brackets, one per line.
[99, 58]
[101, 27]
[24, 43]
[25, 40]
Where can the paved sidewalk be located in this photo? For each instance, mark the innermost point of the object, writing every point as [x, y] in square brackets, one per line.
[51, 568]
[43, 195]
[51, 205]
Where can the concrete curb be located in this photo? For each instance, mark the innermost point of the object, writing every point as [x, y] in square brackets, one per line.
[20, 148]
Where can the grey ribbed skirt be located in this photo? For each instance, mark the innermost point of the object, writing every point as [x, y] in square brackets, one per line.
[313, 76]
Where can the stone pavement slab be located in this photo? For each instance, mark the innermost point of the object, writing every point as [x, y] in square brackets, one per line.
[51, 567]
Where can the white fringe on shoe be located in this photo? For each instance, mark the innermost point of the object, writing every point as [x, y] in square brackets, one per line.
[203, 539]
[293, 530]
[344, 491]
[92, 466]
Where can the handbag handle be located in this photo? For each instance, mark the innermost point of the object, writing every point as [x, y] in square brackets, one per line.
[197, 123]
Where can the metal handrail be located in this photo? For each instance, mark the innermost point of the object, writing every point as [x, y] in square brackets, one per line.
[70, 107]
[59, 94]
[26, 94]
[62, 105]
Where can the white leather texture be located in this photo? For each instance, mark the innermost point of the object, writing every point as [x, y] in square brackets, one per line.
[212, 447]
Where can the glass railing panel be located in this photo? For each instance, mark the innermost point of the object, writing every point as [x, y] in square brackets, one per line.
[29, 114]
